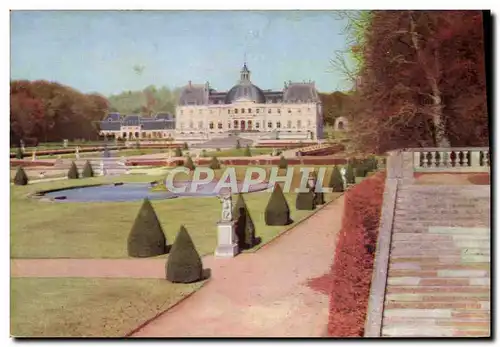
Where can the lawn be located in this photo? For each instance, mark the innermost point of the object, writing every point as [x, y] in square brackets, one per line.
[100, 230]
[80, 307]
[238, 152]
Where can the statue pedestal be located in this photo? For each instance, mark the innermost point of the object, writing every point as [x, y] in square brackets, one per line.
[227, 243]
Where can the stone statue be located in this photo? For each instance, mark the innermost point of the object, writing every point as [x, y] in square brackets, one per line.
[102, 168]
[343, 172]
[77, 152]
[33, 155]
[227, 207]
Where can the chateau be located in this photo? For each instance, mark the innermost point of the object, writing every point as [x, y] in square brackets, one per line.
[203, 113]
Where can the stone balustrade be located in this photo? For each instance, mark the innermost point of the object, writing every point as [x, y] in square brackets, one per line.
[454, 159]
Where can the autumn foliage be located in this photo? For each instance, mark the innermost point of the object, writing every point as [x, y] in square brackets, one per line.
[353, 263]
[42, 111]
[423, 81]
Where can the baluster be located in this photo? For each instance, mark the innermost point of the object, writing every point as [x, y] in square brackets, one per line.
[453, 158]
[481, 158]
[461, 158]
[446, 158]
[437, 157]
[467, 158]
[416, 160]
[428, 157]
[488, 158]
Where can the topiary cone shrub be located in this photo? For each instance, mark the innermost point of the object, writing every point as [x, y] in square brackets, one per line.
[238, 145]
[336, 182]
[247, 152]
[214, 163]
[21, 179]
[184, 263]
[277, 210]
[185, 146]
[87, 170]
[178, 152]
[73, 171]
[283, 163]
[352, 268]
[146, 239]
[245, 228]
[350, 178]
[189, 164]
[305, 201]
[19, 153]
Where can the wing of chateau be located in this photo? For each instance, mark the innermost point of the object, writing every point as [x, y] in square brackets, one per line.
[204, 113]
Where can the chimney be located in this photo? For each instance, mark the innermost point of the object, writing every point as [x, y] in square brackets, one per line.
[190, 84]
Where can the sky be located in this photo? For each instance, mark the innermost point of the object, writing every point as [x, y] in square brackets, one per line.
[109, 52]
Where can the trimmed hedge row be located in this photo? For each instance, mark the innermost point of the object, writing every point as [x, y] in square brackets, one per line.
[69, 150]
[353, 264]
[16, 162]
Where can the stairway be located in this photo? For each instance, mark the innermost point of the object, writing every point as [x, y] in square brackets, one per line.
[439, 266]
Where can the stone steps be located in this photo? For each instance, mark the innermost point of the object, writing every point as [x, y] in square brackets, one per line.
[438, 281]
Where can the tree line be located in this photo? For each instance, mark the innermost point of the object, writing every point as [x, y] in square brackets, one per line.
[42, 111]
[420, 80]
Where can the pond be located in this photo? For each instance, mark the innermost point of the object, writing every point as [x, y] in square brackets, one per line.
[134, 191]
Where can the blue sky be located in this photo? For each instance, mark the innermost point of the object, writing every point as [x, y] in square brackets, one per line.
[96, 51]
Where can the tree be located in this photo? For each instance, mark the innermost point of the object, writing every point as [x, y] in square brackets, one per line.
[214, 163]
[423, 81]
[283, 163]
[21, 179]
[245, 228]
[178, 152]
[19, 153]
[277, 211]
[350, 178]
[73, 171]
[189, 164]
[238, 145]
[185, 146]
[146, 238]
[336, 181]
[87, 170]
[247, 152]
[184, 264]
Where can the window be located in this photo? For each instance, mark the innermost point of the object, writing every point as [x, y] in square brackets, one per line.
[219, 125]
[289, 124]
[229, 125]
[278, 124]
[249, 110]
[211, 111]
[269, 111]
[257, 125]
[235, 124]
[289, 111]
[228, 111]
[299, 124]
[298, 110]
[340, 125]
[211, 125]
[200, 125]
[124, 135]
[236, 111]
[242, 110]
[269, 124]
[257, 110]
[279, 110]
[190, 124]
[309, 123]
[181, 125]
[199, 111]
[136, 134]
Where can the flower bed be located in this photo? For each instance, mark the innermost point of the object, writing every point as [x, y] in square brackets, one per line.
[351, 271]
[26, 163]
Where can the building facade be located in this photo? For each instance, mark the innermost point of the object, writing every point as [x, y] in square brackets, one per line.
[296, 110]
[203, 113]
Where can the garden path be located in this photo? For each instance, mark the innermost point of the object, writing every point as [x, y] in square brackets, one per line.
[274, 292]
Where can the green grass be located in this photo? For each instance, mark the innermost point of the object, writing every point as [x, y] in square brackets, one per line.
[71, 307]
[100, 230]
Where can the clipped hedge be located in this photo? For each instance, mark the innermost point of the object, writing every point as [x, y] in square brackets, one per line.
[73, 171]
[277, 210]
[214, 163]
[188, 164]
[283, 163]
[354, 254]
[87, 170]
[336, 182]
[247, 152]
[178, 152]
[146, 238]
[184, 264]
[245, 228]
[19, 153]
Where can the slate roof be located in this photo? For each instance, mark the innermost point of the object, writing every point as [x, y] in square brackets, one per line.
[194, 94]
[300, 92]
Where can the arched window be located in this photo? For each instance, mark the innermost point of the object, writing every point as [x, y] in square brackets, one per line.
[269, 124]
[340, 125]
[211, 125]
[299, 124]
[257, 125]
[278, 124]
[289, 124]
[219, 125]
[242, 110]
[236, 110]
[124, 135]
[249, 110]
[249, 124]
[269, 111]
[136, 135]
[235, 124]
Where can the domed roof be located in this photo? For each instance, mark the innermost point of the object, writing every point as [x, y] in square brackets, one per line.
[247, 91]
